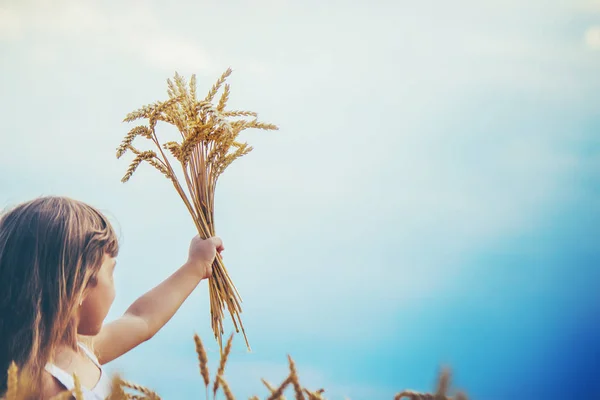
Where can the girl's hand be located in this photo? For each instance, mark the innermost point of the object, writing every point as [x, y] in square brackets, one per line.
[202, 254]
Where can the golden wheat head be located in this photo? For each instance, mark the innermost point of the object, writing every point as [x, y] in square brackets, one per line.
[222, 362]
[202, 359]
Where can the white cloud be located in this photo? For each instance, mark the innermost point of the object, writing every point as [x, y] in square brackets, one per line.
[10, 25]
[588, 5]
[592, 37]
[43, 55]
[133, 28]
[174, 54]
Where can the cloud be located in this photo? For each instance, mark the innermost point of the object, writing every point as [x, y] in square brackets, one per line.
[133, 29]
[10, 25]
[592, 6]
[174, 54]
[592, 37]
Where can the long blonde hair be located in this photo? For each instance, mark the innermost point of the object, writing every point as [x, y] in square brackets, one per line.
[51, 248]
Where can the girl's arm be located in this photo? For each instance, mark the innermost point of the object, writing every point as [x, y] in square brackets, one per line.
[149, 313]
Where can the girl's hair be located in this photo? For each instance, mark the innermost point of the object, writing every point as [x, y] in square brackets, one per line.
[51, 248]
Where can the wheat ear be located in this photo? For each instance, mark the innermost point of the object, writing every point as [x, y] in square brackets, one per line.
[77, 390]
[271, 388]
[277, 394]
[213, 91]
[203, 361]
[13, 382]
[295, 381]
[222, 363]
[443, 383]
[314, 395]
[144, 390]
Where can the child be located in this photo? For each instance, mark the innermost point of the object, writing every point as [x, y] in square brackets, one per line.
[57, 258]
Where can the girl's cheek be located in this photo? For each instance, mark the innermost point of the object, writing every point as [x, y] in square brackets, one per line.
[110, 289]
[114, 294]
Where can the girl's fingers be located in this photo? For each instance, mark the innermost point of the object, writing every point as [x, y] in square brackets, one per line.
[218, 245]
[217, 242]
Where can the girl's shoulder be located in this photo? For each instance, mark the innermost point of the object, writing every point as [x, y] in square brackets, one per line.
[86, 341]
[50, 386]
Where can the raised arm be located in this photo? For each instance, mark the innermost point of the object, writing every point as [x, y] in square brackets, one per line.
[149, 313]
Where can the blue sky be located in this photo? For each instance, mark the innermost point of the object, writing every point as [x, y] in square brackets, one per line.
[430, 198]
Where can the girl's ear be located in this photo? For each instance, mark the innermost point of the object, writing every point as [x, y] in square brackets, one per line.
[93, 280]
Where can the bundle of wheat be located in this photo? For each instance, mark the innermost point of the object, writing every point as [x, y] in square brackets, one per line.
[208, 145]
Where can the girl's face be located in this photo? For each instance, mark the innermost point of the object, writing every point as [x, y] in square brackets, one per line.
[98, 300]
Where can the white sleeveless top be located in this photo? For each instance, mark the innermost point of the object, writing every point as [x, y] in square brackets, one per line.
[98, 392]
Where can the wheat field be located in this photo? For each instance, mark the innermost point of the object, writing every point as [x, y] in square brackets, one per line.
[18, 388]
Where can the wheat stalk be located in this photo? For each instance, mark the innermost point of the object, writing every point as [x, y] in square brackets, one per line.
[226, 389]
[272, 389]
[278, 393]
[208, 146]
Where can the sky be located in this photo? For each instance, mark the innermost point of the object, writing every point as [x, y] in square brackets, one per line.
[431, 198]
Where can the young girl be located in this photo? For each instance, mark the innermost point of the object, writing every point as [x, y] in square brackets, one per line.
[57, 258]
